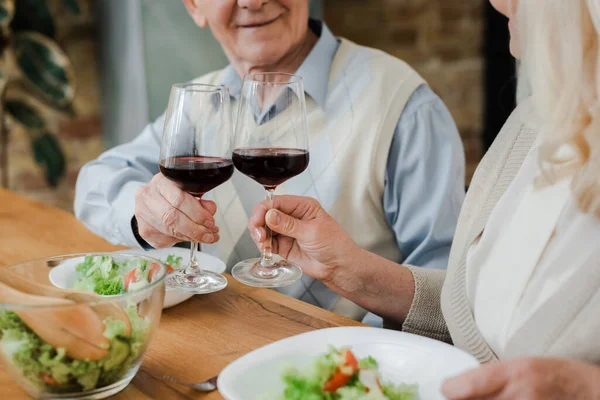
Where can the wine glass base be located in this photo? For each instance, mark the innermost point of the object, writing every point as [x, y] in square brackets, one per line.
[199, 283]
[249, 272]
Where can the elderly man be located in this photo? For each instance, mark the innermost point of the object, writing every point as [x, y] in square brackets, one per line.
[371, 119]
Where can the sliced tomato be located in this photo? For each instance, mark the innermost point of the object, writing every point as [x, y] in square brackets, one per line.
[343, 373]
[337, 381]
[154, 269]
[351, 361]
[130, 278]
[48, 379]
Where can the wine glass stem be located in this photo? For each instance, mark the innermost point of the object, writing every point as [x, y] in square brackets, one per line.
[267, 254]
[193, 268]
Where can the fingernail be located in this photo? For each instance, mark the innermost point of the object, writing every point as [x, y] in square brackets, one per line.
[454, 388]
[209, 223]
[257, 234]
[208, 237]
[273, 217]
[216, 229]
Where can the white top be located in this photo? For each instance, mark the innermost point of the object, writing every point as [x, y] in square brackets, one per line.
[533, 242]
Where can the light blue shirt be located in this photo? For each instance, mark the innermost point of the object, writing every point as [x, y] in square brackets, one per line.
[424, 182]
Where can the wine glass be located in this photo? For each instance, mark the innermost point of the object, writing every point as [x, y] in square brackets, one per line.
[195, 153]
[270, 145]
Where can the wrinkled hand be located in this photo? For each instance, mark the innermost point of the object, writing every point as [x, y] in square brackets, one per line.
[527, 379]
[167, 215]
[307, 235]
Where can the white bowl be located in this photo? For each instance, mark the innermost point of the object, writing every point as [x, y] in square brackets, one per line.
[402, 358]
[65, 275]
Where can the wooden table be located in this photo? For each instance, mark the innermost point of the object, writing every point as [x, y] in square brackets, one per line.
[195, 340]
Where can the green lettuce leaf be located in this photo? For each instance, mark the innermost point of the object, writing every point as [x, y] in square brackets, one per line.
[298, 387]
[34, 358]
[100, 274]
[401, 392]
[114, 328]
[174, 261]
[139, 330]
[368, 363]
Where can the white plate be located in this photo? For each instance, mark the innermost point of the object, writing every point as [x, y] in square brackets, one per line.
[402, 357]
[64, 275]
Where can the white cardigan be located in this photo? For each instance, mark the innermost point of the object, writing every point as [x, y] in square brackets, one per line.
[565, 323]
[533, 243]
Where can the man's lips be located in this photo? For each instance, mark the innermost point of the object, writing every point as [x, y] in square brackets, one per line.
[258, 24]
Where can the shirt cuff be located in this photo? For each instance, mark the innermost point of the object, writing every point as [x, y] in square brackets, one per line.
[134, 227]
[124, 211]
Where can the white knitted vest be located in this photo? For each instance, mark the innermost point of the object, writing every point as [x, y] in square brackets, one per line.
[349, 143]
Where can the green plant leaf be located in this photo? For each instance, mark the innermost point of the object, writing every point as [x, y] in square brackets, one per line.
[46, 149]
[46, 67]
[7, 11]
[49, 155]
[72, 6]
[34, 15]
[24, 113]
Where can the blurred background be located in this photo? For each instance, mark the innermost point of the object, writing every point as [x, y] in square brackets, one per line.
[80, 76]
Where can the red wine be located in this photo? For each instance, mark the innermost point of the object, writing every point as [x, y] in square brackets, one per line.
[270, 167]
[197, 174]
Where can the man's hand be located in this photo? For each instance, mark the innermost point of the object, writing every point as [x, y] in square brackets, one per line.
[167, 215]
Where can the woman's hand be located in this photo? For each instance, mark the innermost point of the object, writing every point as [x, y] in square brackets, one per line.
[310, 238]
[527, 379]
[307, 235]
[167, 215]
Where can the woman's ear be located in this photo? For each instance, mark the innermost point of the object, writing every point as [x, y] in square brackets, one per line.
[194, 9]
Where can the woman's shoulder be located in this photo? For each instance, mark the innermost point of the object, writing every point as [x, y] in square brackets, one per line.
[521, 122]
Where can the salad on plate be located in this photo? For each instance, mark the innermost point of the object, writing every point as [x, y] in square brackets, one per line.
[103, 275]
[340, 375]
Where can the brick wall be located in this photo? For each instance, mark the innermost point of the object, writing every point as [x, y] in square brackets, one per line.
[441, 39]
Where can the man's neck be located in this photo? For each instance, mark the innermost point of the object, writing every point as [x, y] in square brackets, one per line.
[288, 63]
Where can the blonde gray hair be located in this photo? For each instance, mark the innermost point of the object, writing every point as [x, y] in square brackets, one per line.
[560, 69]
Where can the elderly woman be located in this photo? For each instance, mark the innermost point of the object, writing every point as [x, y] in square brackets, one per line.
[370, 115]
[524, 272]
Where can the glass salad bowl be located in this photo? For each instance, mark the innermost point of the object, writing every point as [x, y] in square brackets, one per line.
[62, 343]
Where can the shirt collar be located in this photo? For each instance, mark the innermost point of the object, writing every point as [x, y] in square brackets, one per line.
[314, 70]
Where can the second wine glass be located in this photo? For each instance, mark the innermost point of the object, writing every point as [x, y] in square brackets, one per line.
[270, 146]
[195, 153]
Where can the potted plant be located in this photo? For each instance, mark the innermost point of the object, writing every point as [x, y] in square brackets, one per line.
[34, 61]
